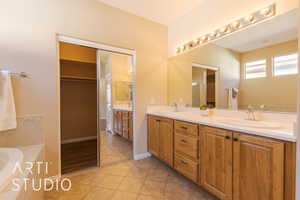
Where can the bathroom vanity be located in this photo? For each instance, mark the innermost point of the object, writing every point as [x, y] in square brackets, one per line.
[122, 123]
[231, 164]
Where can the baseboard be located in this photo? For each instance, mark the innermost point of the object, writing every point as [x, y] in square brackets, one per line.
[142, 156]
[78, 140]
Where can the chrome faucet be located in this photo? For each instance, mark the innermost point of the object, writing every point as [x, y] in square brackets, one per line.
[175, 107]
[251, 113]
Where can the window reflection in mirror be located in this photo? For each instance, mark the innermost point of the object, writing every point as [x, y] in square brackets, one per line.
[256, 66]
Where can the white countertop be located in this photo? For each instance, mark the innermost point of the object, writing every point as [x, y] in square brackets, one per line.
[274, 129]
[122, 107]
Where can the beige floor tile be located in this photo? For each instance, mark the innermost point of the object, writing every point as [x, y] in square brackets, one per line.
[100, 194]
[133, 185]
[124, 196]
[122, 178]
[76, 193]
[157, 174]
[110, 182]
[153, 188]
[115, 170]
[145, 197]
[137, 172]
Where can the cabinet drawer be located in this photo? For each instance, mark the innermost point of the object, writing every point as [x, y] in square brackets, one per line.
[186, 128]
[186, 167]
[187, 145]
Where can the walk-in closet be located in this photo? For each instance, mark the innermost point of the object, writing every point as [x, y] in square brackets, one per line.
[78, 78]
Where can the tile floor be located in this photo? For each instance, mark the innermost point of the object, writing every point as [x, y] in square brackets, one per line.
[121, 178]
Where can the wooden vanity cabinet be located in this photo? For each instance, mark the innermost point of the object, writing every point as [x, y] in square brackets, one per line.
[186, 145]
[230, 165]
[160, 138]
[125, 124]
[122, 124]
[242, 167]
[258, 168]
[216, 161]
[117, 122]
[130, 126]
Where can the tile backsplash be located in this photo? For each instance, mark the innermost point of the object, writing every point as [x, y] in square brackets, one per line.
[29, 131]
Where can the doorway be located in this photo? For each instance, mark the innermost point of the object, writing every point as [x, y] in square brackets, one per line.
[204, 80]
[116, 134]
[91, 92]
[78, 97]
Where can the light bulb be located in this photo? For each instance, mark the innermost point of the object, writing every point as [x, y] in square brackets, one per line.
[250, 19]
[196, 41]
[226, 29]
[266, 12]
[236, 24]
[214, 34]
[203, 38]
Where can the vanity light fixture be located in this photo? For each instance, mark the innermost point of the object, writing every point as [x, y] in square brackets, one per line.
[214, 34]
[226, 29]
[241, 23]
[237, 25]
[196, 41]
[250, 19]
[266, 11]
[203, 39]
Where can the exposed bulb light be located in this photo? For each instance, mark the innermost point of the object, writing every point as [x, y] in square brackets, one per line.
[250, 19]
[213, 34]
[231, 27]
[203, 38]
[236, 24]
[266, 12]
[196, 41]
[218, 34]
[226, 29]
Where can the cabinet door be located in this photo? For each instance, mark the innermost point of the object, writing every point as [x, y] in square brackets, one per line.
[120, 123]
[125, 124]
[130, 127]
[258, 168]
[115, 122]
[153, 135]
[216, 162]
[166, 141]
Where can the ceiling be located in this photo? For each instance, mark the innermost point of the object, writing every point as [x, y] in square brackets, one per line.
[268, 33]
[161, 11]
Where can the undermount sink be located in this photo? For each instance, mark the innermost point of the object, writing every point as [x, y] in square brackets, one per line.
[251, 124]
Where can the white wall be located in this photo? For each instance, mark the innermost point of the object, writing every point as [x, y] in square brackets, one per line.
[213, 14]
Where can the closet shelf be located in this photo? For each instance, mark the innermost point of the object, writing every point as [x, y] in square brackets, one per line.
[78, 78]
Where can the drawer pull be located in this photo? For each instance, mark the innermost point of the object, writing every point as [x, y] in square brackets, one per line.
[183, 127]
[227, 137]
[158, 120]
[183, 141]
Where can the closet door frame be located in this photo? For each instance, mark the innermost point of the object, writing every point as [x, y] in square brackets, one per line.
[101, 47]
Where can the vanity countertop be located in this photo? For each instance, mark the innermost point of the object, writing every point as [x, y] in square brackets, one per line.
[278, 130]
[122, 107]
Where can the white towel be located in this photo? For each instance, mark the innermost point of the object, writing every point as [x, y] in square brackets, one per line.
[7, 103]
[233, 98]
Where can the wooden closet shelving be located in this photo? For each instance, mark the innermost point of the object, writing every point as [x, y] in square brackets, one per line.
[66, 77]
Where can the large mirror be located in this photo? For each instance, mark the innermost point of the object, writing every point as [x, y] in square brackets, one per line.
[256, 67]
